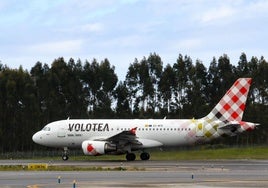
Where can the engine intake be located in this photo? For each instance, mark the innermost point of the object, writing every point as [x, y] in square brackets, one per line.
[97, 147]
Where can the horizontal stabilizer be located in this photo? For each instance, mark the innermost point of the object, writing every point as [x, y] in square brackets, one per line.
[230, 126]
[235, 125]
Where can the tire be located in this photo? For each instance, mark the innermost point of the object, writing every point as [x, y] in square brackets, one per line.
[131, 157]
[65, 157]
[145, 156]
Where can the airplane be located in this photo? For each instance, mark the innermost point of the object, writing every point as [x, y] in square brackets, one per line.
[124, 136]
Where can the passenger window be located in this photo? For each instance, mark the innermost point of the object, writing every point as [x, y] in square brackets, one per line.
[46, 129]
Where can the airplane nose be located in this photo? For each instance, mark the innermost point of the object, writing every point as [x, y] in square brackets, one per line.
[36, 138]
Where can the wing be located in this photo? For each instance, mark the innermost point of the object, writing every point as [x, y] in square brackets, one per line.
[128, 140]
[125, 137]
[122, 138]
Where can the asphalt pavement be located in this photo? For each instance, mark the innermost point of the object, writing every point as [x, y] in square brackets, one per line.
[225, 173]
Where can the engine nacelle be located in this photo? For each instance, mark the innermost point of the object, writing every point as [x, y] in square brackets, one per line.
[97, 147]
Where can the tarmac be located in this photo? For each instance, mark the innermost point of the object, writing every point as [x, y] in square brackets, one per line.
[200, 174]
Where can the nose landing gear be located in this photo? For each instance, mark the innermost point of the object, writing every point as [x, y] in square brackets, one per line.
[65, 156]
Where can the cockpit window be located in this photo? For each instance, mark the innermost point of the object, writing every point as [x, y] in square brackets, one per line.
[46, 129]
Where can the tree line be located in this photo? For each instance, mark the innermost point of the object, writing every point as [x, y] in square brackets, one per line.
[76, 89]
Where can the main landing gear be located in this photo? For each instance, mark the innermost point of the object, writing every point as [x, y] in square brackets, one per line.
[65, 156]
[143, 156]
[130, 157]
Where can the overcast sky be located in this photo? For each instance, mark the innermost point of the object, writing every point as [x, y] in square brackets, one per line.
[122, 30]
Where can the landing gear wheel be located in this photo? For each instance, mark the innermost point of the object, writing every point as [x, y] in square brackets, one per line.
[145, 156]
[65, 157]
[131, 157]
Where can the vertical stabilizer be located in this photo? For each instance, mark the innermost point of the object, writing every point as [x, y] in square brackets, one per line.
[232, 105]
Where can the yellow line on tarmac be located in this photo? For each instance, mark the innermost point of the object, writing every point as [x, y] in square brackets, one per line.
[33, 186]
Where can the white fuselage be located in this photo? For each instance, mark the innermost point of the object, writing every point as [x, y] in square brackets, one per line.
[71, 133]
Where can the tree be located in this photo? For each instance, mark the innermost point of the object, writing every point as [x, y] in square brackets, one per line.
[155, 72]
[39, 75]
[262, 80]
[19, 110]
[221, 75]
[105, 93]
[142, 80]
[91, 83]
[167, 85]
[122, 106]
[183, 68]
[197, 100]
[133, 86]
[243, 66]
[99, 82]
[76, 97]
[226, 73]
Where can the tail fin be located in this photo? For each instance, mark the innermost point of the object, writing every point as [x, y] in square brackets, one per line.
[232, 105]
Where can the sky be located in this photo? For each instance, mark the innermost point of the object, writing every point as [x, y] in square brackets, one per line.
[122, 30]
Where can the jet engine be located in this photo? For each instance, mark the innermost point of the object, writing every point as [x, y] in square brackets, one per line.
[97, 147]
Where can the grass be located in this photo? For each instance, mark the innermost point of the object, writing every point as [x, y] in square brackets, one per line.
[213, 154]
[12, 167]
